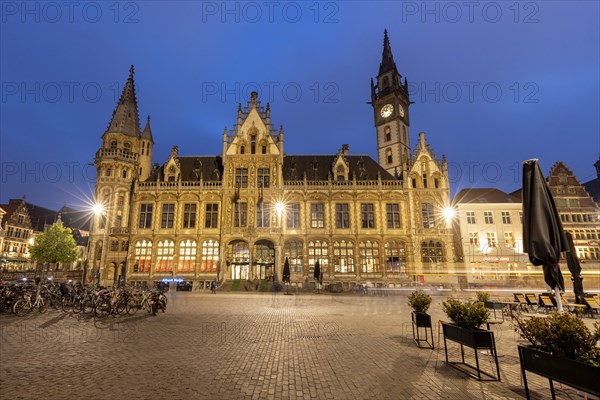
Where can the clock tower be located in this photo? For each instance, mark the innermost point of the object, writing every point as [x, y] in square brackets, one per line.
[390, 101]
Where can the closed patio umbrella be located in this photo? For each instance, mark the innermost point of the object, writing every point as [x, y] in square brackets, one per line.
[286, 274]
[543, 235]
[317, 275]
[575, 268]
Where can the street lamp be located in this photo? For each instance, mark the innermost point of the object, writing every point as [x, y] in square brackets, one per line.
[99, 212]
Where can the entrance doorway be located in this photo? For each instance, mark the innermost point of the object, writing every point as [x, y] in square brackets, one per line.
[239, 256]
[239, 271]
[264, 259]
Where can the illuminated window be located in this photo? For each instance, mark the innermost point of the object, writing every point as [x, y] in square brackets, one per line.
[293, 251]
[431, 252]
[143, 256]
[369, 256]
[395, 257]
[474, 238]
[164, 256]
[263, 215]
[428, 216]
[317, 251]
[491, 239]
[240, 215]
[343, 257]
[509, 239]
[210, 256]
[264, 176]
[187, 256]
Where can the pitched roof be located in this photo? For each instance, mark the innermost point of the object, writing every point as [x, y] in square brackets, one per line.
[147, 133]
[484, 196]
[125, 117]
[593, 188]
[193, 167]
[319, 167]
[9, 208]
[40, 216]
[75, 219]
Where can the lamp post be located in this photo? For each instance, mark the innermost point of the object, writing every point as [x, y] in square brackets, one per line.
[100, 212]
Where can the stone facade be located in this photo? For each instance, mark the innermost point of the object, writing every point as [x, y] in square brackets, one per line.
[239, 214]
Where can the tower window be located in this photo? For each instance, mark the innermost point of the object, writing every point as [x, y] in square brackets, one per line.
[388, 156]
[143, 145]
[113, 145]
[386, 82]
[264, 149]
[242, 150]
[388, 134]
[148, 148]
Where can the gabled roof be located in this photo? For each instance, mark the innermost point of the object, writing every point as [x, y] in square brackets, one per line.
[484, 196]
[192, 167]
[9, 209]
[40, 216]
[318, 167]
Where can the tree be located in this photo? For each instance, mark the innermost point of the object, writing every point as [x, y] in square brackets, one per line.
[55, 245]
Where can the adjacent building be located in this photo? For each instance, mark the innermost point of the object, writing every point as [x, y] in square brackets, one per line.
[489, 234]
[238, 215]
[579, 214]
[18, 236]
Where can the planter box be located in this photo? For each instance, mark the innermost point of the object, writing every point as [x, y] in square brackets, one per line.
[572, 373]
[476, 339]
[421, 323]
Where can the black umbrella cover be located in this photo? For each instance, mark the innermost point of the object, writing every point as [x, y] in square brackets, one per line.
[286, 270]
[317, 273]
[574, 266]
[543, 235]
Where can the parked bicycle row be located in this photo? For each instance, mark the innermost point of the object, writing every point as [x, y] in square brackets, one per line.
[24, 298]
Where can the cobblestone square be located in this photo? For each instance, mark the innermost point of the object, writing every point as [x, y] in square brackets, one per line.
[248, 346]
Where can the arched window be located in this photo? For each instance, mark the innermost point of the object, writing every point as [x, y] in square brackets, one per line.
[143, 146]
[395, 257]
[187, 256]
[387, 133]
[293, 251]
[143, 256]
[369, 256]
[98, 250]
[343, 257]
[253, 144]
[210, 256]
[317, 251]
[113, 145]
[164, 256]
[432, 252]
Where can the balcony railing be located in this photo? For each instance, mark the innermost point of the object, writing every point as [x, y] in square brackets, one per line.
[117, 153]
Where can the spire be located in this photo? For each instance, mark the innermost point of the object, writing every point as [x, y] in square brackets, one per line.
[387, 59]
[147, 134]
[125, 117]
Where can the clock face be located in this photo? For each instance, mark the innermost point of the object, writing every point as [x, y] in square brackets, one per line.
[387, 110]
[401, 111]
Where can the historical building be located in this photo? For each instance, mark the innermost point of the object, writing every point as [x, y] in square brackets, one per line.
[593, 186]
[489, 235]
[579, 214]
[239, 214]
[18, 236]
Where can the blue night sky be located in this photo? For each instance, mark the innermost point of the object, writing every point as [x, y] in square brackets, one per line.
[492, 86]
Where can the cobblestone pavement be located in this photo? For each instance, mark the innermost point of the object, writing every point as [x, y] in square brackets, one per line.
[247, 346]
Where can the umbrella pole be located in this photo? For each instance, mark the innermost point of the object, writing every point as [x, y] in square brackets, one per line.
[556, 290]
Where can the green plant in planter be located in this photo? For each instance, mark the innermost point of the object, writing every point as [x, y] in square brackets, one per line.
[563, 335]
[464, 315]
[419, 301]
[482, 296]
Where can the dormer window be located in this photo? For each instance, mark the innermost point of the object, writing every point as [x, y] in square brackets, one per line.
[253, 144]
[171, 179]
[425, 181]
[340, 173]
[264, 149]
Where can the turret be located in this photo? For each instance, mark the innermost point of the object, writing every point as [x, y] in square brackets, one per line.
[146, 148]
